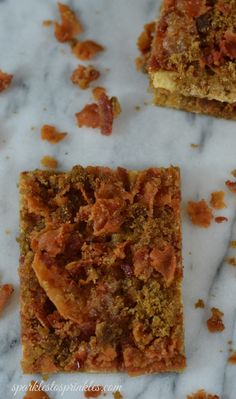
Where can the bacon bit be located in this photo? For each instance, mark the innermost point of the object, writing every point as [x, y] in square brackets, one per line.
[100, 115]
[83, 76]
[94, 391]
[70, 26]
[47, 23]
[202, 395]
[5, 80]
[199, 213]
[232, 244]
[231, 186]
[232, 358]
[117, 395]
[49, 162]
[164, 261]
[86, 50]
[51, 134]
[97, 91]
[6, 291]
[221, 219]
[228, 45]
[200, 304]
[89, 116]
[35, 392]
[52, 241]
[231, 261]
[215, 323]
[217, 200]
[107, 216]
[141, 262]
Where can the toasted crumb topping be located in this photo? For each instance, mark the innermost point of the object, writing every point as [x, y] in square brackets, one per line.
[69, 27]
[49, 162]
[35, 392]
[232, 358]
[88, 294]
[215, 323]
[5, 80]
[86, 50]
[199, 213]
[6, 291]
[199, 304]
[51, 134]
[217, 200]
[202, 395]
[101, 114]
[94, 391]
[83, 76]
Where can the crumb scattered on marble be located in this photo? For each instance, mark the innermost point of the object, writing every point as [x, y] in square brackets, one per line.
[215, 322]
[47, 23]
[201, 394]
[86, 50]
[232, 244]
[94, 391]
[231, 260]
[6, 291]
[35, 392]
[117, 395]
[49, 162]
[200, 304]
[70, 26]
[51, 134]
[232, 358]
[84, 75]
[5, 80]
[221, 219]
[217, 200]
[231, 186]
[233, 172]
[199, 213]
[192, 145]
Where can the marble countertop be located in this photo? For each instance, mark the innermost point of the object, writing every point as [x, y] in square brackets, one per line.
[41, 93]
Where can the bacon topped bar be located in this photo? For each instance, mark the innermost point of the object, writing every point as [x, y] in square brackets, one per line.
[101, 271]
[193, 57]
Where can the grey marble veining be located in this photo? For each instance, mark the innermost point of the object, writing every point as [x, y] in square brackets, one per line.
[42, 93]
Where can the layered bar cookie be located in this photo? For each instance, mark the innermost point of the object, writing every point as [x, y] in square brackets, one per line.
[193, 57]
[101, 270]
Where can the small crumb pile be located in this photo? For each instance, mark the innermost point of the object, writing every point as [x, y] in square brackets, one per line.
[215, 323]
[35, 392]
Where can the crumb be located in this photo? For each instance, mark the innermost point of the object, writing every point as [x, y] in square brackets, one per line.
[33, 128]
[70, 26]
[215, 323]
[221, 219]
[144, 45]
[217, 200]
[51, 134]
[83, 76]
[94, 391]
[194, 145]
[7, 231]
[199, 213]
[86, 50]
[117, 395]
[49, 162]
[137, 107]
[35, 392]
[47, 22]
[202, 395]
[100, 114]
[233, 172]
[6, 291]
[200, 304]
[231, 261]
[231, 186]
[5, 80]
[97, 91]
[232, 358]
[232, 244]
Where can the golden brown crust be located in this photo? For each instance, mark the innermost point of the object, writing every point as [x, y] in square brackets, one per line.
[84, 305]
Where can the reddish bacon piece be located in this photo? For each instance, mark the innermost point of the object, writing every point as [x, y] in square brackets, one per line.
[221, 219]
[6, 291]
[83, 76]
[228, 45]
[164, 261]
[106, 114]
[215, 323]
[89, 116]
[97, 91]
[70, 26]
[51, 134]
[5, 80]
[232, 358]
[35, 392]
[107, 216]
[142, 265]
[231, 186]
[86, 50]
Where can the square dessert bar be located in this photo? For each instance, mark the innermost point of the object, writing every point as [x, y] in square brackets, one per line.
[193, 58]
[101, 271]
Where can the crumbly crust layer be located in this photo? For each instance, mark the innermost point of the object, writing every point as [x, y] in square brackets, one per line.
[101, 271]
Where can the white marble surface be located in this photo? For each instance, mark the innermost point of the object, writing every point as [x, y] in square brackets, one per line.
[42, 93]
